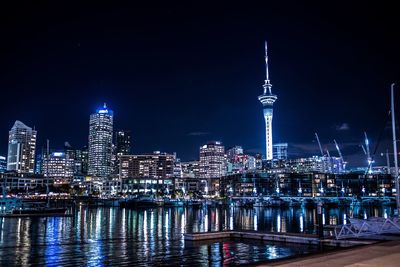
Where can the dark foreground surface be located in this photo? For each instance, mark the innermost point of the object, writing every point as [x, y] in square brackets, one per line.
[114, 236]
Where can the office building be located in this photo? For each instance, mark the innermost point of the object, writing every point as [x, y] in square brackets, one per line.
[156, 165]
[123, 142]
[280, 151]
[60, 166]
[100, 142]
[212, 160]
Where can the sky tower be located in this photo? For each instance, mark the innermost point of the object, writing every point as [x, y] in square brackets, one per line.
[267, 99]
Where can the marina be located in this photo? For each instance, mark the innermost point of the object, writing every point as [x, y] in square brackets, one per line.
[158, 235]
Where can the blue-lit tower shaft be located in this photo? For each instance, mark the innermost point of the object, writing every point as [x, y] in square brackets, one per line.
[268, 99]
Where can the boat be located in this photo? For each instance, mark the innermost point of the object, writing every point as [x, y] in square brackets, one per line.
[168, 202]
[143, 201]
[13, 207]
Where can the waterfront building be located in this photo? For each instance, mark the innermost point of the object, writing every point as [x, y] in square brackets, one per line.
[280, 151]
[24, 182]
[21, 148]
[190, 169]
[155, 165]
[100, 142]
[212, 160]
[267, 99]
[3, 164]
[60, 166]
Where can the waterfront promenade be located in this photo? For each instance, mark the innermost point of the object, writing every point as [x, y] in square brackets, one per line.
[381, 254]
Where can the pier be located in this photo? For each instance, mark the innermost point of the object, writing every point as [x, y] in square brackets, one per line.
[276, 237]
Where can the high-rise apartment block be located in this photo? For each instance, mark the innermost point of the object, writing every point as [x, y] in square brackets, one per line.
[21, 148]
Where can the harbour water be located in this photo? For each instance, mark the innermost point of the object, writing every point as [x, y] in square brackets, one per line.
[117, 236]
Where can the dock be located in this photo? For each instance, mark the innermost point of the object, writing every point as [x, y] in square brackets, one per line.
[276, 237]
[381, 254]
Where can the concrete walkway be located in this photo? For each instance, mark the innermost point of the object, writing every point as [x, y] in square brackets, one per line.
[384, 254]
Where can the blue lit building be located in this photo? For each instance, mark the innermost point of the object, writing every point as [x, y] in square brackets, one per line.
[3, 164]
[267, 99]
[100, 142]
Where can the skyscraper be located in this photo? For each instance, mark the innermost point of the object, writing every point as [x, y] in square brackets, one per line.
[212, 160]
[123, 142]
[21, 148]
[267, 99]
[100, 142]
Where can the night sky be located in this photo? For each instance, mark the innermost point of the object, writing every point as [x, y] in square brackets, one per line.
[180, 75]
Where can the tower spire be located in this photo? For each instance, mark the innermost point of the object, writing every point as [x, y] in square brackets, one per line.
[266, 61]
[267, 86]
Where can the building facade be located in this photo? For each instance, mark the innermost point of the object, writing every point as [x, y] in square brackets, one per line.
[156, 165]
[190, 169]
[268, 99]
[60, 166]
[123, 142]
[3, 164]
[280, 151]
[212, 160]
[21, 148]
[100, 142]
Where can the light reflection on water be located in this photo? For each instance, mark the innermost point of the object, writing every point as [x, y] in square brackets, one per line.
[113, 236]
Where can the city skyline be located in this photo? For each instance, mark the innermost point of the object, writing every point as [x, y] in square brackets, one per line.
[159, 86]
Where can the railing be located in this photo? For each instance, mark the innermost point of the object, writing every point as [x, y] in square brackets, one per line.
[372, 226]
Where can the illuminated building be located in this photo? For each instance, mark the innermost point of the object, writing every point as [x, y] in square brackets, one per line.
[3, 164]
[100, 142]
[59, 166]
[267, 99]
[280, 151]
[315, 164]
[122, 147]
[123, 142]
[24, 181]
[212, 160]
[156, 165]
[21, 148]
[190, 169]
[233, 153]
[79, 156]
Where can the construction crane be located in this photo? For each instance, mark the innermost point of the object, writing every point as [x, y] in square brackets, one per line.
[366, 150]
[319, 144]
[340, 154]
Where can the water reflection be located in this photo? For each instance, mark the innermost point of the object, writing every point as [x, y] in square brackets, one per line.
[113, 236]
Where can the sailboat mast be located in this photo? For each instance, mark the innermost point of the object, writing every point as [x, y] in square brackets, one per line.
[396, 170]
